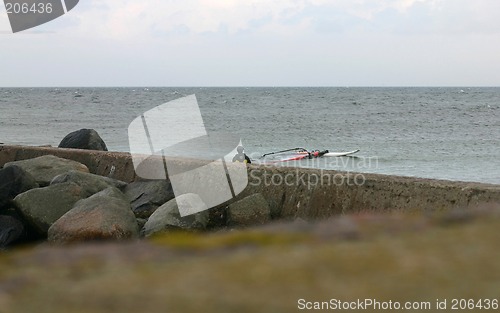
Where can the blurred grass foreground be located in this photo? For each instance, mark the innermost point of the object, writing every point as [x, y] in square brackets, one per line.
[272, 268]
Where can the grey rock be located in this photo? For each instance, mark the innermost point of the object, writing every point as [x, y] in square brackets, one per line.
[87, 139]
[46, 167]
[252, 210]
[114, 193]
[167, 216]
[141, 222]
[13, 181]
[103, 216]
[43, 206]
[93, 183]
[146, 196]
[217, 217]
[11, 229]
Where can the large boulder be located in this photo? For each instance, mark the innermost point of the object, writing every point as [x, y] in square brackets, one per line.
[11, 229]
[43, 206]
[167, 216]
[13, 181]
[146, 196]
[46, 167]
[87, 139]
[103, 216]
[252, 210]
[93, 183]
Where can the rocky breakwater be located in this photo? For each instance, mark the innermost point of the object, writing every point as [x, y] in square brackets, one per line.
[57, 199]
[39, 192]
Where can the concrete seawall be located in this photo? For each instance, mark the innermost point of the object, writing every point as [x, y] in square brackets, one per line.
[302, 192]
[353, 192]
[98, 162]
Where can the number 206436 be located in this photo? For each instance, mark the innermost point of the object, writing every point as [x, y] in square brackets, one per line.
[471, 304]
[26, 8]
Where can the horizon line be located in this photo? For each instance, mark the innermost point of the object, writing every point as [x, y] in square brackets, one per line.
[263, 86]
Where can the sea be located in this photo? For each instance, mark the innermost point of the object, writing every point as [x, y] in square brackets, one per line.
[450, 133]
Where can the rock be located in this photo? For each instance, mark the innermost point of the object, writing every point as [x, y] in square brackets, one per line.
[217, 217]
[93, 183]
[43, 206]
[146, 196]
[29, 233]
[87, 139]
[141, 222]
[103, 216]
[11, 229]
[13, 181]
[167, 216]
[276, 206]
[46, 167]
[252, 210]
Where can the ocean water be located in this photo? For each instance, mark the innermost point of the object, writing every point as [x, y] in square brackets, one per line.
[444, 133]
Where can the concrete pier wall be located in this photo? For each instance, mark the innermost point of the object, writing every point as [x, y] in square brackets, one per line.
[353, 192]
[301, 192]
[98, 162]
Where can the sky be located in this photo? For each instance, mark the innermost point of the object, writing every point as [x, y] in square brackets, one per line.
[258, 43]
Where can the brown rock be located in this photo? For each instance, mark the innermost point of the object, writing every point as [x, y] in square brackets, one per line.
[105, 215]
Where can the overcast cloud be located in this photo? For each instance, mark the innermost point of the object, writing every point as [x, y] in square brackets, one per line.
[259, 43]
